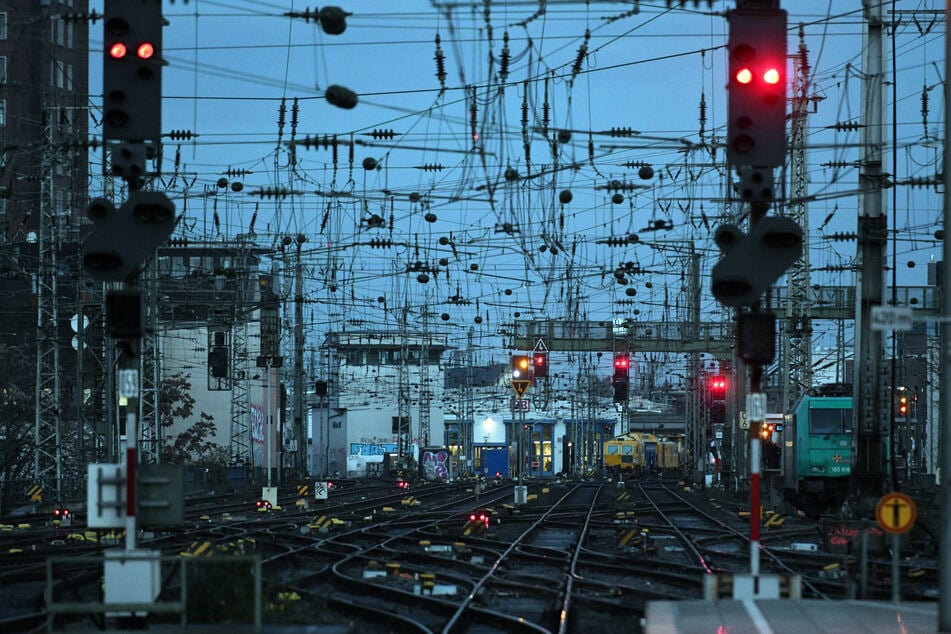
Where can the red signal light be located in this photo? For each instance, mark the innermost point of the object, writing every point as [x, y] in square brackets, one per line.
[622, 365]
[771, 76]
[540, 364]
[118, 50]
[718, 384]
[145, 50]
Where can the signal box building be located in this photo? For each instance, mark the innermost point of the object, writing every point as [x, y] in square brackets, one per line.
[381, 396]
[214, 307]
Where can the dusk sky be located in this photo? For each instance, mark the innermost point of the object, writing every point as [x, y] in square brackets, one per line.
[482, 230]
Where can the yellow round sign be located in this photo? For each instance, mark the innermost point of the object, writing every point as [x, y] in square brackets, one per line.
[895, 513]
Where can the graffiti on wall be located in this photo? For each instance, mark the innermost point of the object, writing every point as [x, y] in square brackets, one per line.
[257, 434]
[371, 449]
[435, 464]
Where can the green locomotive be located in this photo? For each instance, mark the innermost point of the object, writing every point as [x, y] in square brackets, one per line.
[817, 451]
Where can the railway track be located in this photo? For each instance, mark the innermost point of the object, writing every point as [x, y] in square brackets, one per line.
[578, 556]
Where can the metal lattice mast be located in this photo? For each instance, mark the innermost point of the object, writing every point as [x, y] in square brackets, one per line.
[47, 465]
[425, 390]
[241, 360]
[402, 397]
[575, 416]
[695, 432]
[797, 344]
[150, 446]
[240, 409]
[300, 435]
[467, 425]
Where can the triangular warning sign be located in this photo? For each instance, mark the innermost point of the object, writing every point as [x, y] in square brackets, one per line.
[520, 387]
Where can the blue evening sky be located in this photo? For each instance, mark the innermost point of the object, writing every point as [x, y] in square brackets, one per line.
[472, 249]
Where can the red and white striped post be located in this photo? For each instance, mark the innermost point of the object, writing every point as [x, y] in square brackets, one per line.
[130, 465]
[754, 504]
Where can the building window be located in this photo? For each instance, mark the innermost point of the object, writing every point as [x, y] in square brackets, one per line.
[3, 113]
[3, 69]
[3, 25]
[65, 120]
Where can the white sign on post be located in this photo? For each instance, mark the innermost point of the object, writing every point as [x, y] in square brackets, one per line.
[756, 407]
[105, 496]
[320, 490]
[129, 383]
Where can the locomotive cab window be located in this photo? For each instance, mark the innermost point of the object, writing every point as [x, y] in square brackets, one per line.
[830, 421]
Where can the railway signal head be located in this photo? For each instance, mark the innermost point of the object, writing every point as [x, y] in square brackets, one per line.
[718, 387]
[478, 522]
[402, 485]
[123, 238]
[901, 405]
[540, 364]
[218, 362]
[752, 263]
[622, 366]
[756, 130]
[132, 70]
[262, 506]
[521, 366]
